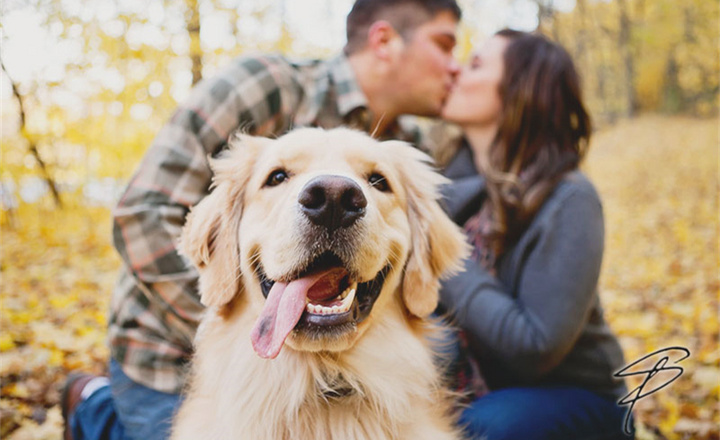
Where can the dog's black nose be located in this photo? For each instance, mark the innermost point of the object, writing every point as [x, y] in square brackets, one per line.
[332, 201]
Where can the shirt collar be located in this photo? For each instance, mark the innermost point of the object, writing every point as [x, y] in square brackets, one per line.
[351, 103]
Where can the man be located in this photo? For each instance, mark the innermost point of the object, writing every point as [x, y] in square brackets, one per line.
[398, 60]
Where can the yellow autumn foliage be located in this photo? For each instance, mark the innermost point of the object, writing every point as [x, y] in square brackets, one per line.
[658, 177]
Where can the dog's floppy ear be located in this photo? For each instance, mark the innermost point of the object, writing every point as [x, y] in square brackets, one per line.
[210, 235]
[438, 244]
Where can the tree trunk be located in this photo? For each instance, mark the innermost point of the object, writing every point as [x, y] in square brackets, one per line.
[625, 46]
[546, 19]
[673, 93]
[192, 18]
[581, 48]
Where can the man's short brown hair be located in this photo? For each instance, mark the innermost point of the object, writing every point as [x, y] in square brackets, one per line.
[404, 15]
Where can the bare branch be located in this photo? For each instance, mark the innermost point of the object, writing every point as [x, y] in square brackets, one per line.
[32, 146]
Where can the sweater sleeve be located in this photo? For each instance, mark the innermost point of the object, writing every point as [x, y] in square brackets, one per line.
[531, 329]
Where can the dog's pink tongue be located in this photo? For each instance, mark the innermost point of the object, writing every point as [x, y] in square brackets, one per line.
[284, 307]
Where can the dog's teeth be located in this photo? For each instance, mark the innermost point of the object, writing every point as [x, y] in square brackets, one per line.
[347, 291]
[346, 300]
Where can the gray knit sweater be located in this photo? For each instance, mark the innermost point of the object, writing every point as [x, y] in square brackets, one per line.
[539, 322]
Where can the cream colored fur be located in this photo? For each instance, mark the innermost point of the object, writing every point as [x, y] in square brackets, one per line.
[387, 362]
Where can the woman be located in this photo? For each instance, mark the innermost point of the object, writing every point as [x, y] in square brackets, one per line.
[527, 302]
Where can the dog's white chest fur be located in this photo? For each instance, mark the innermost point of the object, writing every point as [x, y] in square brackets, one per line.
[384, 390]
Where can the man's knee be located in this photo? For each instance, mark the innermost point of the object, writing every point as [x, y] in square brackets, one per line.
[144, 413]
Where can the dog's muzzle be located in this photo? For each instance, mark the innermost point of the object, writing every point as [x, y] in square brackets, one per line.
[323, 297]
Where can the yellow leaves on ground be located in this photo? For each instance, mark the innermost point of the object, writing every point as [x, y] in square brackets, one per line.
[58, 269]
[658, 177]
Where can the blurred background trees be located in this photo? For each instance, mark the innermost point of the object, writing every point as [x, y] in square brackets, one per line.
[97, 79]
[644, 56]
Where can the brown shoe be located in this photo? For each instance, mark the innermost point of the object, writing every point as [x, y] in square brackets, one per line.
[71, 397]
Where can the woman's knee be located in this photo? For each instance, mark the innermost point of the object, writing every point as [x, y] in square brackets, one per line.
[492, 418]
[540, 414]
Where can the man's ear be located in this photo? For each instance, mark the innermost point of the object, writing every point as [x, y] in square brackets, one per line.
[210, 235]
[383, 40]
[438, 246]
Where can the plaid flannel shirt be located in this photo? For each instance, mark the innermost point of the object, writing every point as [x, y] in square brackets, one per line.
[156, 308]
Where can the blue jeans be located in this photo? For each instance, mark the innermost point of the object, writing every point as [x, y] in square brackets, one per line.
[125, 410]
[544, 413]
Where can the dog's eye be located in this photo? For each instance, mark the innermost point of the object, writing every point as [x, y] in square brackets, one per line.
[379, 182]
[276, 178]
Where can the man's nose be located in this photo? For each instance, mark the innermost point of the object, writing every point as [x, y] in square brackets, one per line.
[454, 66]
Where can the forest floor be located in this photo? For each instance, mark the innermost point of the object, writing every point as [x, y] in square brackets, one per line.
[657, 175]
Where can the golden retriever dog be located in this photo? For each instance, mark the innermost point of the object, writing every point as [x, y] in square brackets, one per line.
[319, 256]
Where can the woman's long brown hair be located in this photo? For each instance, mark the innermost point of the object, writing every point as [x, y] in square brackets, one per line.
[543, 133]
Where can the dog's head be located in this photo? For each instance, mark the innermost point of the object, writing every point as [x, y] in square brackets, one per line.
[318, 231]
